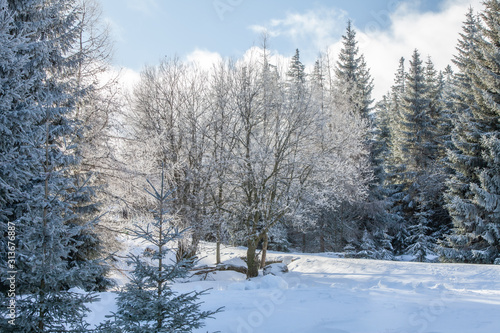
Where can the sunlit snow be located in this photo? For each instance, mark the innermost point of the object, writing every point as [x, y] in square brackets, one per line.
[323, 293]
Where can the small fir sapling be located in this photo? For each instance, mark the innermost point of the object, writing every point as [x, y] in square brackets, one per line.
[148, 303]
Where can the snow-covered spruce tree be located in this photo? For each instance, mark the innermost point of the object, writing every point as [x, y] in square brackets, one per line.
[382, 139]
[445, 128]
[387, 118]
[296, 75]
[421, 236]
[147, 303]
[354, 84]
[389, 114]
[367, 245]
[416, 176]
[435, 85]
[464, 153]
[41, 204]
[15, 121]
[474, 206]
[437, 173]
[95, 141]
[416, 125]
[383, 189]
[421, 243]
[394, 115]
[374, 246]
[487, 96]
[352, 75]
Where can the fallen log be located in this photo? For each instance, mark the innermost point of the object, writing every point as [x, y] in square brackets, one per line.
[231, 267]
[205, 270]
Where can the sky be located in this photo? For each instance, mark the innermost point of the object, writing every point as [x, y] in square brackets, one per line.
[144, 31]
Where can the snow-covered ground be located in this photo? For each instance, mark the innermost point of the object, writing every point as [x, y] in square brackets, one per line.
[326, 294]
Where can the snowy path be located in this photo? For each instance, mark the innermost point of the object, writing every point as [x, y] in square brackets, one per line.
[322, 294]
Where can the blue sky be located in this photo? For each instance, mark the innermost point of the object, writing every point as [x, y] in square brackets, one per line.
[147, 30]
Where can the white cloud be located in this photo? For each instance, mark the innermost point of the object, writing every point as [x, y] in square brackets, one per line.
[317, 26]
[255, 55]
[203, 58]
[129, 78]
[260, 30]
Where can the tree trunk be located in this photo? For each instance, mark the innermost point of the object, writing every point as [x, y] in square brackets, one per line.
[264, 251]
[217, 251]
[322, 236]
[252, 262]
[304, 242]
[193, 247]
[321, 242]
[181, 250]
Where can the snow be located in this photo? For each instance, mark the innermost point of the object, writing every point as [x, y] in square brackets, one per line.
[325, 293]
[275, 269]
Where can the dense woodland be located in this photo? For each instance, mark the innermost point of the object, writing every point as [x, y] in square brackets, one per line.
[254, 153]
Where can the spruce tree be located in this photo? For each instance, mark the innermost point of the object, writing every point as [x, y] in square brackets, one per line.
[414, 167]
[439, 114]
[147, 303]
[94, 101]
[296, 71]
[349, 62]
[15, 121]
[434, 83]
[393, 105]
[464, 152]
[448, 96]
[382, 134]
[388, 119]
[40, 189]
[352, 75]
[473, 190]
[354, 85]
[421, 243]
[416, 123]
[487, 95]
